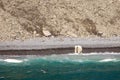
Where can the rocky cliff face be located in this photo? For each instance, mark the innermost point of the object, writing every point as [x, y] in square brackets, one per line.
[21, 19]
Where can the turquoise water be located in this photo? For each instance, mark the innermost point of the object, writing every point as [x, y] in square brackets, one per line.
[61, 67]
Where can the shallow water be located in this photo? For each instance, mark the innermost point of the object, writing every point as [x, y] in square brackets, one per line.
[61, 67]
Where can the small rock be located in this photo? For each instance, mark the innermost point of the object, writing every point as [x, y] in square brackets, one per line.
[100, 34]
[34, 32]
[46, 32]
[72, 34]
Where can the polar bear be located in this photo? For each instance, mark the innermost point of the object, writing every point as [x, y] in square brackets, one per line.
[78, 49]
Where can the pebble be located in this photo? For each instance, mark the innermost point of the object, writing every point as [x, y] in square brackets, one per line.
[72, 34]
[46, 32]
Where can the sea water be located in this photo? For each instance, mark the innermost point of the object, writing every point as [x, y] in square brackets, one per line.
[92, 66]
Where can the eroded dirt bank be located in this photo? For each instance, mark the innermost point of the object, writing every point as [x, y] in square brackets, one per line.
[22, 19]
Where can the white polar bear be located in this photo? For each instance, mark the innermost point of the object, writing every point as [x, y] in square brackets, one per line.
[78, 49]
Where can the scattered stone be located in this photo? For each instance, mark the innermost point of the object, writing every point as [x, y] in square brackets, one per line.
[72, 34]
[46, 32]
[34, 32]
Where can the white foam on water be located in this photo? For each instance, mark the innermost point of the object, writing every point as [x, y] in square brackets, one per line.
[100, 53]
[71, 57]
[13, 61]
[78, 61]
[2, 77]
[95, 53]
[1, 59]
[73, 54]
[109, 60]
[85, 53]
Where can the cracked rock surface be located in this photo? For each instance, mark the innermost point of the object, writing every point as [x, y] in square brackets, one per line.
[24, 19]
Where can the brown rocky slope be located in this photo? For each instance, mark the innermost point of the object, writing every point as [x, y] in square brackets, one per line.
[23, 19]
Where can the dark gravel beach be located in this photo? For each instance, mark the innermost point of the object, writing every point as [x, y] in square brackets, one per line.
[45, 46]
